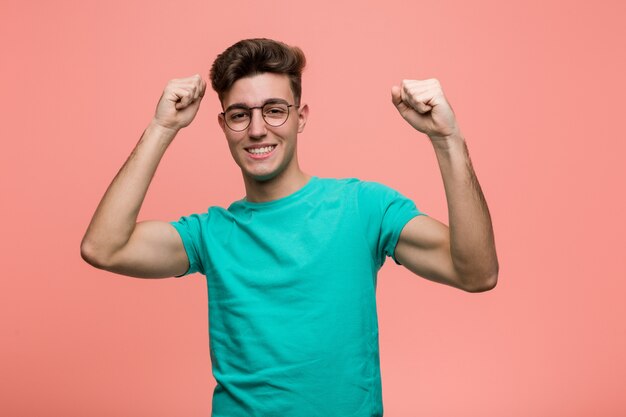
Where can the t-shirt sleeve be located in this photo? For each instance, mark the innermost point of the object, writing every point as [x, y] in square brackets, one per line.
[190, 229]
[384, 212]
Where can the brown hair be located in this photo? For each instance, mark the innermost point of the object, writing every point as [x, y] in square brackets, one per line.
[254, 56]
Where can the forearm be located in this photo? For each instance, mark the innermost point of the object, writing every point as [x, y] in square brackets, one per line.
[116, 216]
[472, 244]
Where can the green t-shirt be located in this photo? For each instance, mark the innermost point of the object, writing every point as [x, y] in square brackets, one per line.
[293, 326]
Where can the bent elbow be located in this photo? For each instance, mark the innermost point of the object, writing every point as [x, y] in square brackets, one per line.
[88, 256]
[482, 285]
[91, 256]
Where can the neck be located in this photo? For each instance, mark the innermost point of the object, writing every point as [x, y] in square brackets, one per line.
[282, 185]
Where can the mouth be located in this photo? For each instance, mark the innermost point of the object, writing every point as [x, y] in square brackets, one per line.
[260, 152]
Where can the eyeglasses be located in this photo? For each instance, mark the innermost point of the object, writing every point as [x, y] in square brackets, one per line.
[274, 113]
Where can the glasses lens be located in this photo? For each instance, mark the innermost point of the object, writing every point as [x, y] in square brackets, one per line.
[237, 119]
[275, 114]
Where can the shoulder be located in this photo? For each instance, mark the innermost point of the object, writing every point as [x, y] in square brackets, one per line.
[362, 189]
[374, 190]
[336, 182]
[211, 214]
[329, 186]
[346, 183]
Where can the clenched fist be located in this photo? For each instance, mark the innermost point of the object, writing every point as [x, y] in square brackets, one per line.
[423, 105]
[180, 102]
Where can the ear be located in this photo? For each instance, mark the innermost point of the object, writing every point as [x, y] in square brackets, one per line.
[303, 115]
[221, 122]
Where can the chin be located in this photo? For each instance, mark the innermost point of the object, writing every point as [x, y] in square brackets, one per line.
[261, 178]
[263, 175]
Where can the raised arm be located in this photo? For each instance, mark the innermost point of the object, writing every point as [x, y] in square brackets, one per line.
[463, 255]
[114, 240]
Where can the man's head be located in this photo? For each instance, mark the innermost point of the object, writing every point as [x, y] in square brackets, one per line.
[259, 85]
[255, 56]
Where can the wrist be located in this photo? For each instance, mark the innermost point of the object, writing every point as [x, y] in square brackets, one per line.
[447, 142]
[161, 130]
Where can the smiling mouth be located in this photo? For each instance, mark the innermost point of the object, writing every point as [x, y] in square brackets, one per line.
[261, 151]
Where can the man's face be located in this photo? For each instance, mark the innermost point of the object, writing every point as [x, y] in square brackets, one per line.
[255, 91]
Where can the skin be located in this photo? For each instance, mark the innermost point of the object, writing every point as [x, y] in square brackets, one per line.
[462, 255]
[280, 174]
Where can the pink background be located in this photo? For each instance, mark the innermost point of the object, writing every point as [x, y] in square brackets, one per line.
[538, 89]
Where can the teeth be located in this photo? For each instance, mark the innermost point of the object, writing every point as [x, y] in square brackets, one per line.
[258, 151]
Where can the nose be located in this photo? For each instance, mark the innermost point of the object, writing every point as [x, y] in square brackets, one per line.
[257, 128]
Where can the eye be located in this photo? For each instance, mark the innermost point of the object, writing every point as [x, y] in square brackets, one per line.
[275, 110]
[237, 115]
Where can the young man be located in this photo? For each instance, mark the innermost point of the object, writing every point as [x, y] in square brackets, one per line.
[291, 268]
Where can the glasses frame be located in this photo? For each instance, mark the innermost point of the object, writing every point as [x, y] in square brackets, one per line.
[262, 115]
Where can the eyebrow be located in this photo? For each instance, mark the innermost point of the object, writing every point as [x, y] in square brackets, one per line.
[245, 106]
